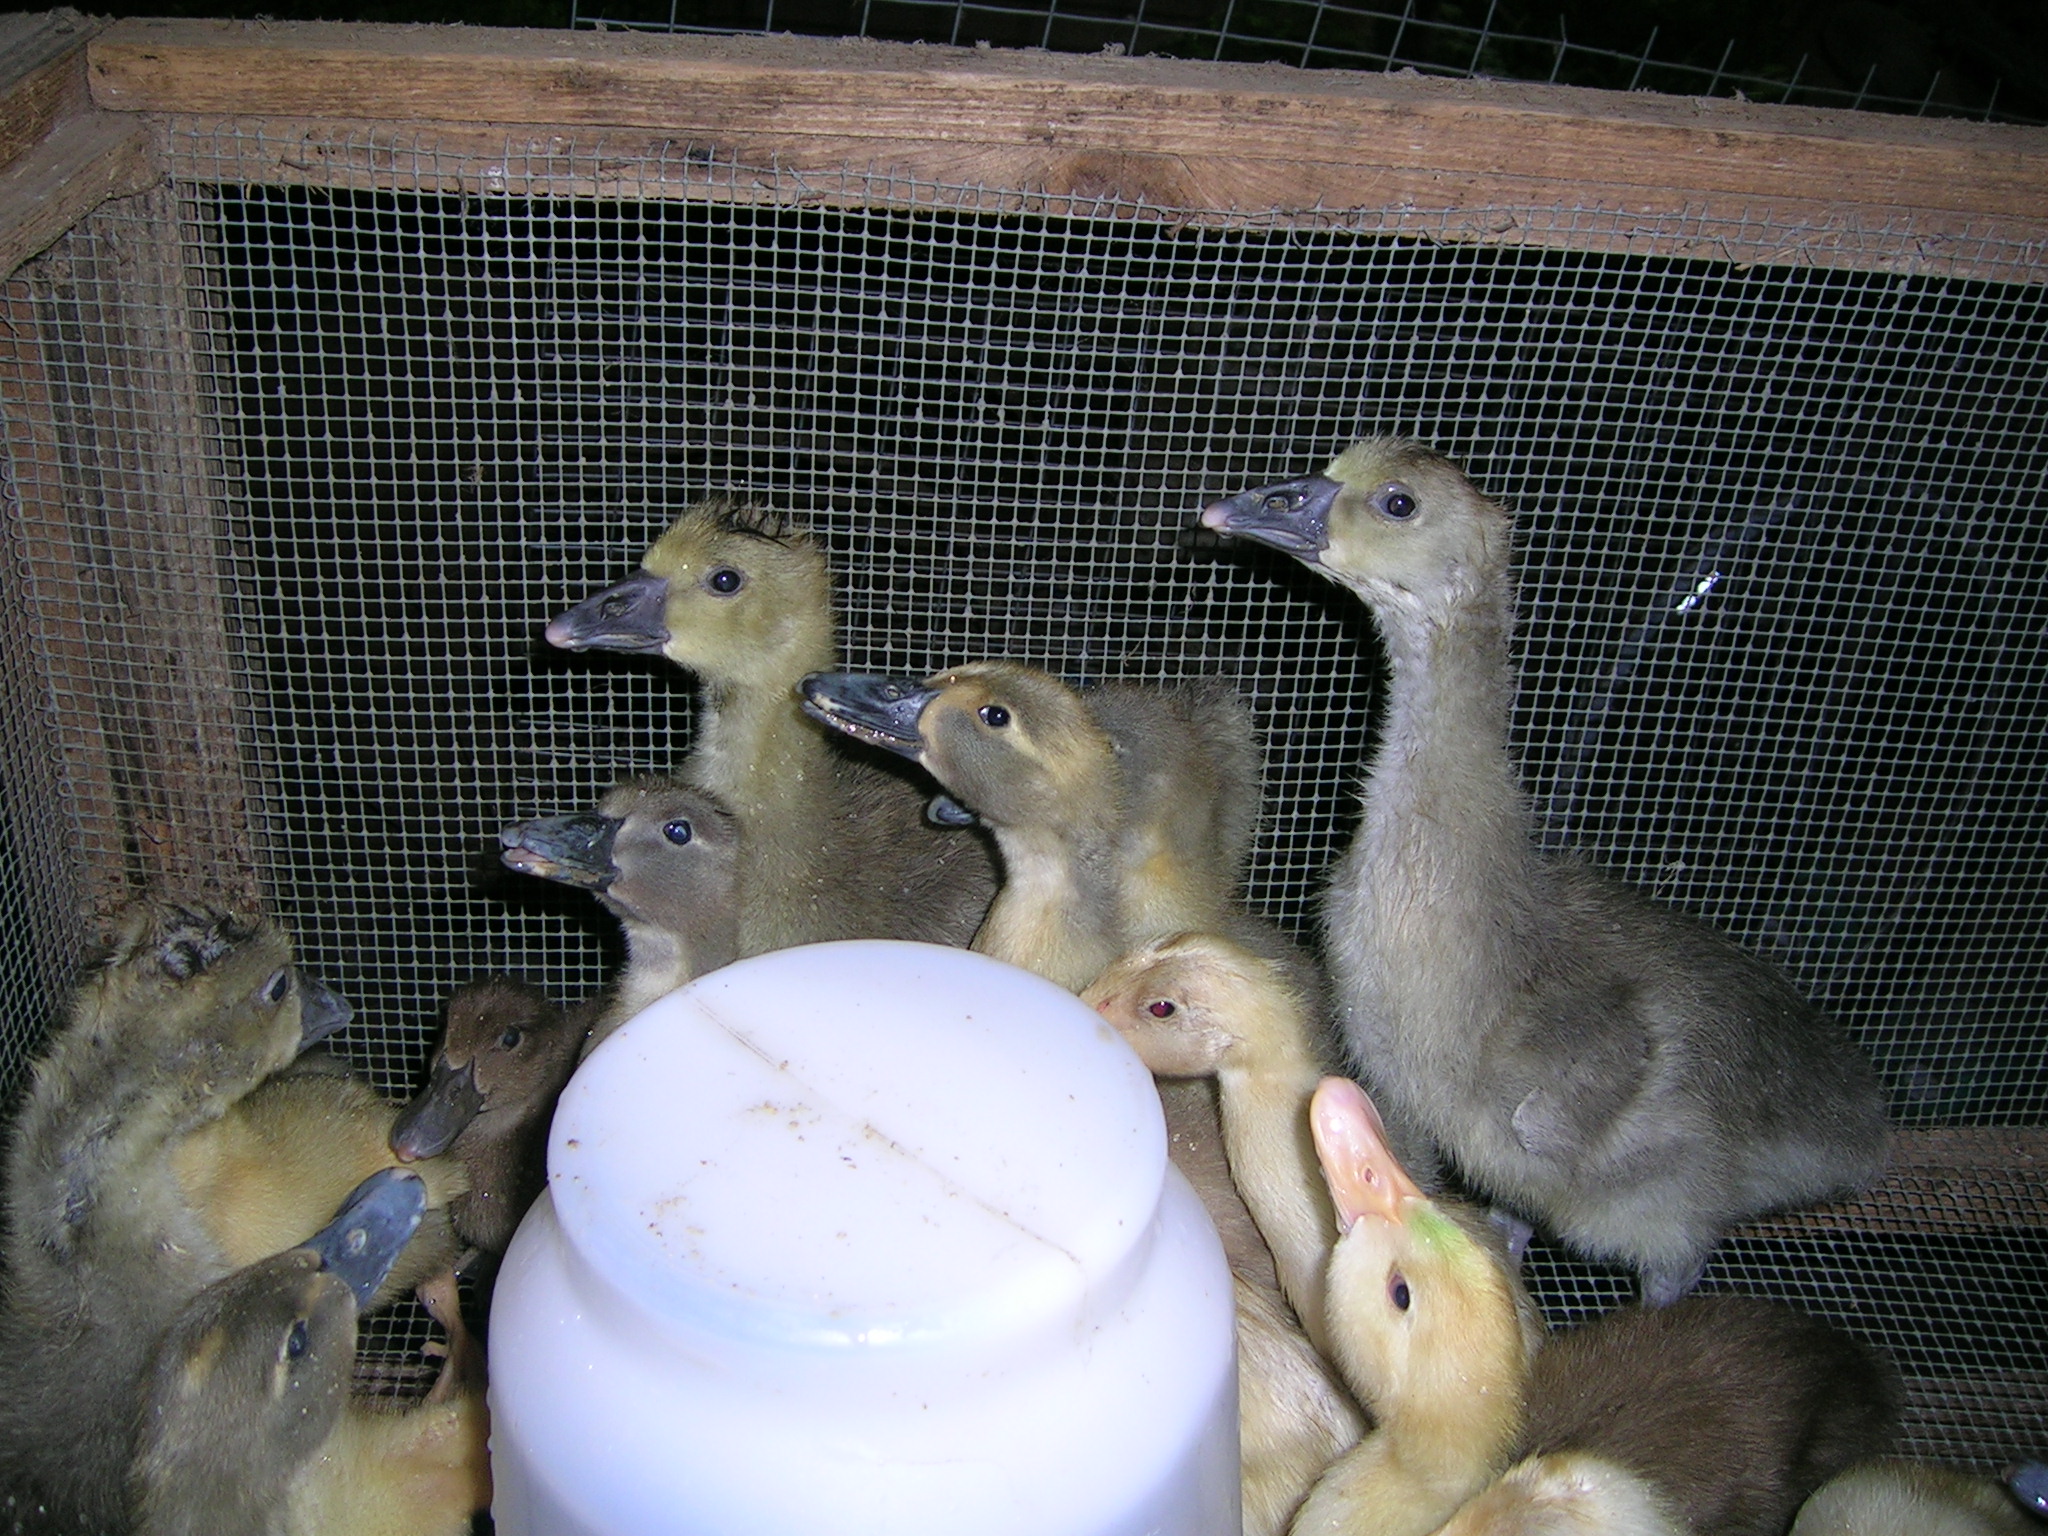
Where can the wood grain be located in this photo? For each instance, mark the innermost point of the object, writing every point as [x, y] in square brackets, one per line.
[1470, 159]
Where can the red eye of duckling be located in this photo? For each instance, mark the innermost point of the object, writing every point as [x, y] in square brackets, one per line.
[1161, 1009]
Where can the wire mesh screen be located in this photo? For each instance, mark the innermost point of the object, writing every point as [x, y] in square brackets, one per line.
[1781, 556]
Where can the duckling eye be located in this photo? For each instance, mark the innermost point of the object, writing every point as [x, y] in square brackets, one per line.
[1397, 1291]
[1160, 1008]
[678, 831]
[511, 1038]
[725, 581]
[994, 715]
[1396, 501]
[278, 988]
[298, 1341]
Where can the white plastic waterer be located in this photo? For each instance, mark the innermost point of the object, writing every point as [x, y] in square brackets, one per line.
[864, 1237]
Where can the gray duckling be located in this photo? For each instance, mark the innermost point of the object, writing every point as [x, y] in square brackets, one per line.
[247, 1427]
[191, 1006]
[835, 847]
[664, 857]
[1587, 1056]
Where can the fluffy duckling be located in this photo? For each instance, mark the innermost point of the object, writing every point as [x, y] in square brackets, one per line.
[246, 1422]
[1587, 1056]
[1120, 813]
[835, 847]
[1726, 1409]
[277, 1163]
[505, 1055]
[1293, 1416]
[1570, 1494]
[665, 859]
[190, 1008]
[1019, 748]
[1197, 1005]
[1911, 1498]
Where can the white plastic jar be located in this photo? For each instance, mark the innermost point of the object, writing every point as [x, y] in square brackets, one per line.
[864, 1237]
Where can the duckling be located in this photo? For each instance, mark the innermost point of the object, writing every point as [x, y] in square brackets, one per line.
[1726, 1409]
[1198, 1005]
[247, 1425]
[834, 847]
[1120, 813]
[1021, 749]
[1430, 1327]
[265, 1174]
[666, 859]
[1911, 1498]
[192, 1005]
[504, 1058]
[1587, 1056]
[1293, 1416]
[1570, 1494]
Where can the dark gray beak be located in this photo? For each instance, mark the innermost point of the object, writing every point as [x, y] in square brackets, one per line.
[1293, 516]
[321, 1011]
[945, 811]
[870, 706]
[631, 616]
[428, 1126]
[374, 1223]
[576, 850]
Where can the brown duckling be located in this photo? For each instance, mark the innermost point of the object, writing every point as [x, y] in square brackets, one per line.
[1912, 1498]
[1727, 1409]
[835, 847]
[1589, 1057]
[505, 1055]
[665, 858]
[247, 1427]
[190, 1008]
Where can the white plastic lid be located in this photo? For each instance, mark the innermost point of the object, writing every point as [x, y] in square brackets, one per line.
[845, 1144]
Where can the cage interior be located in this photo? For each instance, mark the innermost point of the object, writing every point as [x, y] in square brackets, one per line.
[300, 471]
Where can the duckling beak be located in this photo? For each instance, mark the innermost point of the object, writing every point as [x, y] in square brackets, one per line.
[1293, 516]
[631, 616]
[428, 1126]
[321, 1011]
[374, 1223]
[1351, 1144]
[870, 706]
[576, 850]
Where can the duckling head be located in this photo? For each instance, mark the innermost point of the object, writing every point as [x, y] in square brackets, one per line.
[507, 1044]
[1184, 1003]
[1393, 520]
[735, 594]
[1429, 1325]
[1011, 743]
[216, 987]
[656, 851]
[249, 1381]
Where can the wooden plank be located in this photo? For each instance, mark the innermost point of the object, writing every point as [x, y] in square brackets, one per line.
[1177, 135]
[85, 160]
[1956, 1179]
[42, 75]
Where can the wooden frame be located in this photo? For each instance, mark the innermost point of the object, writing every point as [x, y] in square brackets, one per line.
[1651, 174]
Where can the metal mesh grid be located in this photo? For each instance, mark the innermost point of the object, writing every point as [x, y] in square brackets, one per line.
[1781, 547]
[1432, 39]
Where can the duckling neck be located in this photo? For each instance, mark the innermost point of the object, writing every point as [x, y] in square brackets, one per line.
[1056, 913]
[1443, 867]
[756, 751]
[1273, 1163]
[657, 962]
